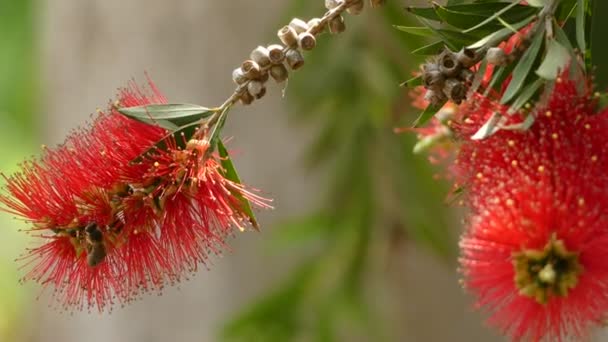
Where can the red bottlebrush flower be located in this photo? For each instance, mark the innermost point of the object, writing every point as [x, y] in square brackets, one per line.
[116, 221]
[196, 205]
[535, 252]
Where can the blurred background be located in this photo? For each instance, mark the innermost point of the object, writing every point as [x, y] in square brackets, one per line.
[361, 245]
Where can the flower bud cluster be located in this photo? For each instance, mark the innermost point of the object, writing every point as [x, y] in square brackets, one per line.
[448, 76]
[275, 61]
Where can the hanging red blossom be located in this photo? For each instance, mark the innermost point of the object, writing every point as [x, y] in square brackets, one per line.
[535, 251]
[117, 221]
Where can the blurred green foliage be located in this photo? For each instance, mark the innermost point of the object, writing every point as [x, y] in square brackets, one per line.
[378, 192]
[18, 103]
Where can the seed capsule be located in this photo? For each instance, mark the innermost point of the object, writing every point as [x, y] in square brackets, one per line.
[288, 36]
[279, 73]
[294, 59]
[466, 57]
[376, 3]
[298, 25]
[435, 97]
[455, 90]
[336, 25]
[263, 77]
[260, 56]
[314, 26]
[250, 69]
[356, 7]
[433, 79]
[238, 76]
[276, 54]
[246, 98]
[255, 88]
[448, 64]
[307, 41]
[331, 4]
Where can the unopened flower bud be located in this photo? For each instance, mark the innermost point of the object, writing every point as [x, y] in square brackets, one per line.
[276, 54]
[251, 69]
[246, 98]
[356, 7]
[466, 57]
[279, 73]
[298, 25]
[376, 3]
[331, 4]
[294, 59]
[238, 76]
[255, 88]
[455, 90]
[307, 41]
[336, 25]
[288, 36]
[260, 56]
[448, 64]
[496, 56]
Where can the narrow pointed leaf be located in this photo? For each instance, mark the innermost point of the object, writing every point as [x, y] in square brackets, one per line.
[490, 127]
[168, 116]
[429, 50]
[597, 43]
[231, 174]
[412, 82]
[427, 114]
[424, 12]
[478, 77]
[417, 31]
[461, 20]
[492, 18]
[523, 68]
[556, 60]
[495, 38]
[580, 25]
[538, 3]
[525, 96]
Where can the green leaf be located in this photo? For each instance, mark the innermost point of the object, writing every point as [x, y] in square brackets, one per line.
[427, 114]
[556, 60]
[462, 20]
[412, 82]
[417, 31]
[479, 76]
[231, 174]
[580, 25]
[521, 71]
[451, 36]
[168, 116]
[493, 17]
[424, 12]
[538, 3]
[495, 38]
[597, 43]
[489, 127]
[430, 50]
[525, 95]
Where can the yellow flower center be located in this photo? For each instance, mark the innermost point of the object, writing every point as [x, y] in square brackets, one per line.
[552, 271]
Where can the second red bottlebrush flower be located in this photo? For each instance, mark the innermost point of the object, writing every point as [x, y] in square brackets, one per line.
[535, 253]
[116, 221]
